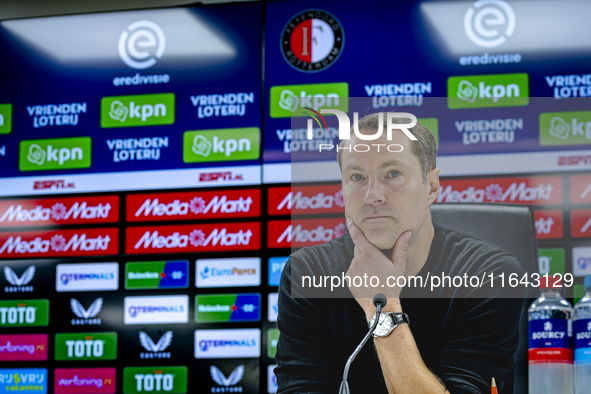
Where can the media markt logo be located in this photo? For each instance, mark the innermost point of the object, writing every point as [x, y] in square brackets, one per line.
[142, 44]
[55, 154]
[157, 275]
[24, 313]
[19, 284]
[291, 100]
[5, 118]
[86, 346]
[154, 379]
[482, 91]
[221, 145]
[140, 110]
[565, 128]
[155, 350]
[488, 23]
[228, 308]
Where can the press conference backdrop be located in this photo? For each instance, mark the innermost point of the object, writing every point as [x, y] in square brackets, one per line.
[145, 159]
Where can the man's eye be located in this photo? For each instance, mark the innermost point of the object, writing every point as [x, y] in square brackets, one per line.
[393, 174]
[356, 177]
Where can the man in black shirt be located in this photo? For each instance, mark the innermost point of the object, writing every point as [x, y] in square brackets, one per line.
[457, 340]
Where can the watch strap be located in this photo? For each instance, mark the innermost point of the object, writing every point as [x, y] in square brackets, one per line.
[399, 318]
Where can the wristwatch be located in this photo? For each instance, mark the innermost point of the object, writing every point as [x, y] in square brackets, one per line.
[387, 323]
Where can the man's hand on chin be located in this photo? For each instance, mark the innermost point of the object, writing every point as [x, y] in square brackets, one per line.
[369, 261]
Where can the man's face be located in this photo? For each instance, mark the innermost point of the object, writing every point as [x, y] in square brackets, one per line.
[384, 191]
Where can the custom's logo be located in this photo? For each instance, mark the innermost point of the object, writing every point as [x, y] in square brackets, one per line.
[23, 347]
[488, 23]
[142, 44]
[155, 350]
[228, 308]
[155, 379]
[85, 380]
[24, 313]
[86, 346]
[565, 128]
[312, 41]
[19, 283]
[5, 118]
[55, 154]
[225, 383]
[23, 380]
[481, 91]
[140, 110]
[157, 275]
[221, 145]
[291, 100]
[86, 316]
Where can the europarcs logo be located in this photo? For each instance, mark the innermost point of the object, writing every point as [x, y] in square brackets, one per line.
[141, 44]
[489, 23]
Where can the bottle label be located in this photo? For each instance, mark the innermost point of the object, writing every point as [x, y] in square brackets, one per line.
[582, 341]
[549, 341]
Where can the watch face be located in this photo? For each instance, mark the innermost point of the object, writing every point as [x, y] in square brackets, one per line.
[384, 325]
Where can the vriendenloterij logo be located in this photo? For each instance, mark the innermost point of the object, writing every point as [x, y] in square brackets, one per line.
[494, 90]
[139, 110]
[221, 145]
[55, 154]
[136, 41]
[290, 100]
[488, 23]
[565, 128]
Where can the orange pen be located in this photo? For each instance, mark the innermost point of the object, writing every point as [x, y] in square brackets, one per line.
[493, 387]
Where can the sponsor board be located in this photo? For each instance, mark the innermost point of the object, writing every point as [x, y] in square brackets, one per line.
[488, 131]
[533, 190]
[131, 149]
[157, 275]
[276, 265]
[273, 307]
[193, 238]
[193, 205]
[79, 242]
[24, 313]
[85, 380]
[291, 100]
[573, 85]
[23, 347]
[156, 310]
[19, 283]
[303, 232]
[23, 380]
[155, 380]
[56, 114]
[204, 146]
[580, 221]
[233, 272]
[87, 277]
[5, 118]
[230, 343]
[86, 317]
[304, 200]
[493, 90]
[580, 189]
[548, 224]
[58, 211]
[551, 261]
[216, 105]
[86, 346]
[272, 339]
[217, 308]
[582, 261]
[155, 349]
[565, 128]
[271, 379]
[139, 110]
[55, 154]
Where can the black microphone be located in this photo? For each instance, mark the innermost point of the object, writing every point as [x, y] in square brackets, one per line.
[379, 301]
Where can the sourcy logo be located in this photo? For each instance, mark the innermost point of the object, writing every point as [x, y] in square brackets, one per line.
[23, 380]
[289, 100]
[488, 23]
[155, 350]
[136, 41]
[312, 41]
[155, 379]
[86, 316]
[5, 118]
[227, 308]
[140, 110]
[55, 154]
[226, 385]
[19, 283]
[24, 313]
[156, 275]
[565, 128]
[86, 346]
[221, 145]
[494, 90]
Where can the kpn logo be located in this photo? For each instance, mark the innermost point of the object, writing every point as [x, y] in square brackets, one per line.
[140, 110]
[154, 380]
[482, 91]
[228, 308]
[565, 128]
[86, 346]
[221, 145]
[5, 118]
[55, 154]
[291, 100]
[24, 313]
[157, 275]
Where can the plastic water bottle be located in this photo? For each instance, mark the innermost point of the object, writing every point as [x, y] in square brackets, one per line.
[550, 356]
[582, 334]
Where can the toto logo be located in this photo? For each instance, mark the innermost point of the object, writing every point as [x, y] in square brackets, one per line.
[488, 23]
[135, 42]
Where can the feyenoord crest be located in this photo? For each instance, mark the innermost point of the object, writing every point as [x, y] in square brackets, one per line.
[312, 41]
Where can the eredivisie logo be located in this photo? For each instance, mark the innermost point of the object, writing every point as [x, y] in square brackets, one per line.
[312, 40]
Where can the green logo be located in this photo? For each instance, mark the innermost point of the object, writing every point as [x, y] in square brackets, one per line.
[141, 110]
[86, 346]
[551, 261]
[272, 338]
[24, 313]
[221, 145]
[5, 118]
[227, 308]
[154, 379]
[481, 91]
[157, 275]
[55, 154]
[290, 100]
[565, 128]
[433, 125]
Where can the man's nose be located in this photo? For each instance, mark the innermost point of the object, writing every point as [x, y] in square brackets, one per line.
[375, 194]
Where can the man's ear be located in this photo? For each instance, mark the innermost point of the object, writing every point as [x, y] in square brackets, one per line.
[433, 184]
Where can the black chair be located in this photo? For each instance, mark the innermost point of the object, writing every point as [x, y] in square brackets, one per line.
[512, 228]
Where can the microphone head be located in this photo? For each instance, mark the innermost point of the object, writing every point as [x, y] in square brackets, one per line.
[380, 298]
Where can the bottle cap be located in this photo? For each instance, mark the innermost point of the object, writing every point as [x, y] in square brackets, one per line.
[587, 281]
[550, 283]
